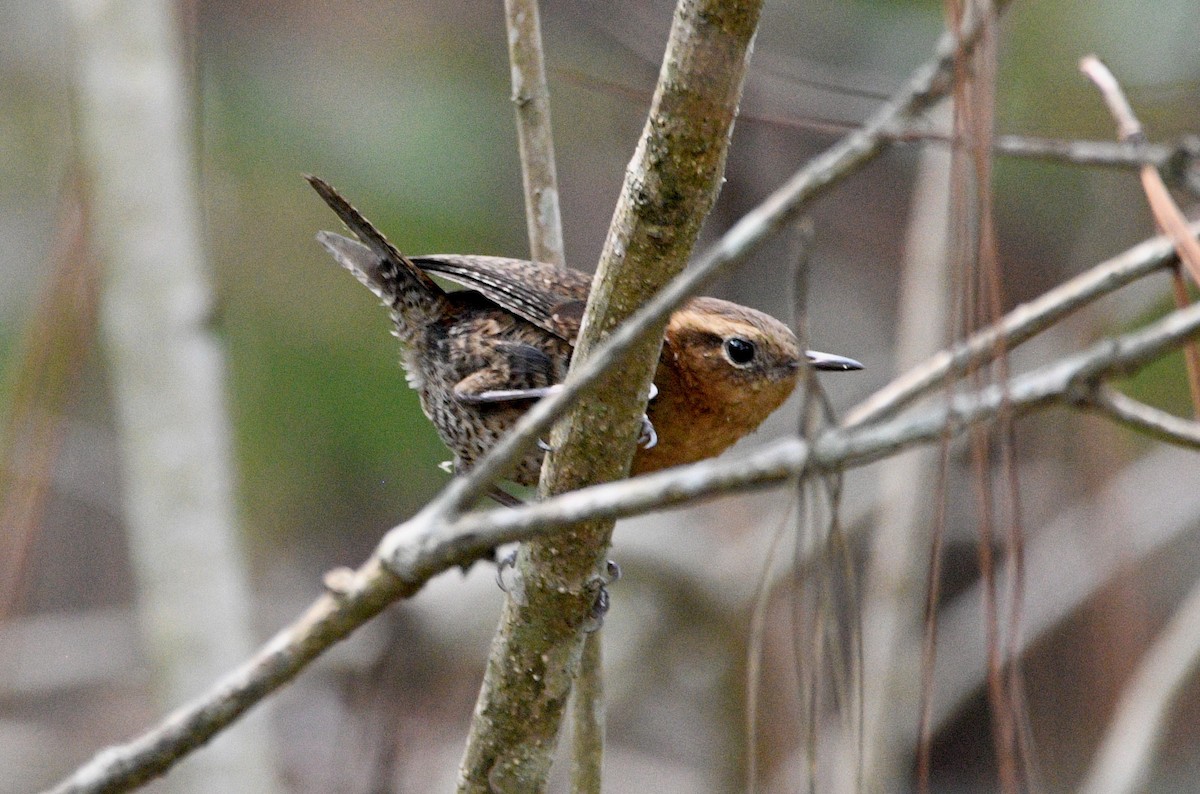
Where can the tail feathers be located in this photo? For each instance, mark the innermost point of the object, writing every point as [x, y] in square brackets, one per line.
[358, 259]
[414, 297]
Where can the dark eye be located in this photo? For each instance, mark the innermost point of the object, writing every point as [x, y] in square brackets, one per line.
[740, 351]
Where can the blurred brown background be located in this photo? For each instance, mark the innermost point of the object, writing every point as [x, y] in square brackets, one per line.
[404, 106]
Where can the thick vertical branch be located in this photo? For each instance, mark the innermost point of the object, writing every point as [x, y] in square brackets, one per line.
[670, 185]
[167, 369]
[531, 97]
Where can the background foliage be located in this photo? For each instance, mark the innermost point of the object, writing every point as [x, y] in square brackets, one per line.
[405, 107]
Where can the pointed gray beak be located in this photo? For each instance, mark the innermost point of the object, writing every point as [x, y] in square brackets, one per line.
[828, 361]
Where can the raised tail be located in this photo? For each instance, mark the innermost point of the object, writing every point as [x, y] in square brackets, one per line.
[414, 297]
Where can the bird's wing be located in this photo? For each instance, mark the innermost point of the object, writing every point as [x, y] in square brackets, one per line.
[550, 297]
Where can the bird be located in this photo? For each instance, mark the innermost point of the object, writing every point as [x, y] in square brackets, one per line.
[478, 357]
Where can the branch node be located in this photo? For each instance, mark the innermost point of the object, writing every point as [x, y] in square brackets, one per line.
[339, 582]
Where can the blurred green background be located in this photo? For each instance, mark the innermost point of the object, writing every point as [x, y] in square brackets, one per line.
[405, 108]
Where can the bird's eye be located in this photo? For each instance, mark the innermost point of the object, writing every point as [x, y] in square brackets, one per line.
[740, 351]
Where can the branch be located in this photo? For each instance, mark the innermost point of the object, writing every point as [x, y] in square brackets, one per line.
[1166, 213]
[331, 618]
[1019, 325]
[423, 547]
[415, 548]
[424, 550]
[928, 84]
[1072, 380]
[531, 98]
[670, 186]
[1145, 418]
[1176, 160]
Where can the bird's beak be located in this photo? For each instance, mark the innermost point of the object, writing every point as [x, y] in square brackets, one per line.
[828, 361]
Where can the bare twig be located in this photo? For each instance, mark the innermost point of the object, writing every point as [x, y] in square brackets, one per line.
[422, 549]
[1019, 325]
[1178, 162]
[587, 719]
[189, 727]
[1145, 418]
[1102, 153]
[531, 99]
[1166, 213]
[531, 96]
[166, 364]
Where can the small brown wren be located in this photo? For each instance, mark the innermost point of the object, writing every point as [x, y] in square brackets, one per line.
[478, 357]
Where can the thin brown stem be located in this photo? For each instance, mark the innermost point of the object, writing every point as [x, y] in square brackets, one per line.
[1166, 212]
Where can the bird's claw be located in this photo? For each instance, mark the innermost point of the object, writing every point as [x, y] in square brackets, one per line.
[504, 564]
[647, 437]
[600, 605]
[612, 572]
[601, 600]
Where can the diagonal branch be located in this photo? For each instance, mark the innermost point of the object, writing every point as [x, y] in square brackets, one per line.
[928, 83]
[1072, 380]
[422, 549]
[1145, 418]
[670, 185]
[1019, 325]
[411, 548]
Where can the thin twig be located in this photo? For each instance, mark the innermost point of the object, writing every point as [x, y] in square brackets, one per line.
[1019, 325]
[531, 100]
[423, 550]
[1145, 418]
[588, 719]
[414, 547]
[531, 97]
[1166, 213]
[1177, 161]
